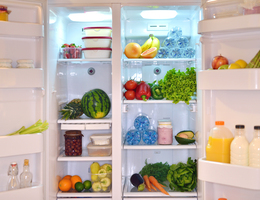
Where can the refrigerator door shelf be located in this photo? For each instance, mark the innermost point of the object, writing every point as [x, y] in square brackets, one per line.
[35, 192]
[160, 60]
[155, 101]
[84, 157]
[131, 191]
[20, 29]
[233, 25]
[84, 194]
[228, 174]
[21, 78]
[242, 79]
[21, 144]
[109, 60]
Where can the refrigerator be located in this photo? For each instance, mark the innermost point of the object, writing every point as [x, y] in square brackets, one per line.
[37, 29]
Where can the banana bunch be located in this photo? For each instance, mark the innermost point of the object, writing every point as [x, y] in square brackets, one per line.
[151, 42]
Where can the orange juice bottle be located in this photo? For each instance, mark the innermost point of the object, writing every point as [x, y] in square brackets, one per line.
[218, 147]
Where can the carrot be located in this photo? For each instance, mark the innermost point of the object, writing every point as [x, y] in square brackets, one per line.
[148, 188]
[162, 185]
[147, 182]
[156, 184]
[152, 186]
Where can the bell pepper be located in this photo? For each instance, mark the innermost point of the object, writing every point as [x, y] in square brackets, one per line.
[157, 92]
[142, 91]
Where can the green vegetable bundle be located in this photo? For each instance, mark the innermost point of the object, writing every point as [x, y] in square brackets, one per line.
[38, 127]
[179, 86]
[158, 170]
[183, 177]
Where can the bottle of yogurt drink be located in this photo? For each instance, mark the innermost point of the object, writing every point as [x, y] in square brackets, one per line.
[254, 149]
[164, 131]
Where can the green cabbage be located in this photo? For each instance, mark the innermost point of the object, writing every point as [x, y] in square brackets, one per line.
[183, 177]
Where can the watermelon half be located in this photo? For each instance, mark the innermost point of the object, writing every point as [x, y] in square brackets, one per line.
[95, 104]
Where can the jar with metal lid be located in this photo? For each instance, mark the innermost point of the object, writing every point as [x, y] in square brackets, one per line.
[5, 63]
[4, 13]
[164, 130]
[25, 64]
[73, 143]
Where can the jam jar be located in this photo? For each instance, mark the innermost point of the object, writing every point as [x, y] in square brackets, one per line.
[164, 130]
[4, 13]
[73, 143]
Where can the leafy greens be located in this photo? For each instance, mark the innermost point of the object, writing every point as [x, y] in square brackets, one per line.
[158, 170]
[179, 86]
[183, 177]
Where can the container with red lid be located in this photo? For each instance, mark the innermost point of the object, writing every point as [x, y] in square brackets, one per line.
[98, 31]
[4, 13]
[99, 41]
[97, 52]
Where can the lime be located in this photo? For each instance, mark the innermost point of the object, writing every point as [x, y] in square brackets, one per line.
[87, 184]
[79, 186]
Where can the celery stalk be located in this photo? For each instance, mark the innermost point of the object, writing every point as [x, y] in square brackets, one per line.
[16, 132]
[38, 127]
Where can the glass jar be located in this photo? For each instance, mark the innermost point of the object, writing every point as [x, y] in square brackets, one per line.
[164, 130]
[73, 143]
[4, 13]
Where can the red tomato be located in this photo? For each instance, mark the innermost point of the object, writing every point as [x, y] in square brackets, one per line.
[130, 85]
[130, 94]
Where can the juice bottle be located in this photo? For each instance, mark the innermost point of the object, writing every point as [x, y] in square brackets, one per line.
[254, 149]
[239, 147]
[218, 147]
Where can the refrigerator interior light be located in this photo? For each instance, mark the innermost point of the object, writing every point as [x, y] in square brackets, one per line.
[158, 14]
[89, 17]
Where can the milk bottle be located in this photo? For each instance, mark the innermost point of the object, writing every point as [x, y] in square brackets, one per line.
[239, 147]
[254, 149]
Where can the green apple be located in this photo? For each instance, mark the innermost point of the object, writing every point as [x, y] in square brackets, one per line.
[223, 67]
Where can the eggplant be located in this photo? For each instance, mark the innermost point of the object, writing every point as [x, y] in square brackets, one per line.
[138, 181]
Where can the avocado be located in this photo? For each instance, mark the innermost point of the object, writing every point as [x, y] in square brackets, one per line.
[185, 137]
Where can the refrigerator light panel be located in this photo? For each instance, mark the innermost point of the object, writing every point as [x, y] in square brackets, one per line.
[158, 14]
[89, 17]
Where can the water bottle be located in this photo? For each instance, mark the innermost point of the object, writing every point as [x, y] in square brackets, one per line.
[218, 147]
[239, 147]
[254, 149]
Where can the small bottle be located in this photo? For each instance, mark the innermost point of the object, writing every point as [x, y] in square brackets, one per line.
[239, 147]
[164, 131]
[13, 181]
[254, 149]
[218, 147]
[26, 175]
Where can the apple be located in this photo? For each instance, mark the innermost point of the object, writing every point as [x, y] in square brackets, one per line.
[223, 67]
[219, 61]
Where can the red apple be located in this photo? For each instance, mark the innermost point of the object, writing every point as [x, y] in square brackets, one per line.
[218, 61]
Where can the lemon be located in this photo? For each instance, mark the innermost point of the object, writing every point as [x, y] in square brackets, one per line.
[234, 66]
[242, 63]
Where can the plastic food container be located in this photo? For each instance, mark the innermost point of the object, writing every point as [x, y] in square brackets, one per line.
[101, 182]
[25, 64]
[101, 139]
[99, 150]
[5, 63]
[97, 52]
[4, 13]
[70, 53]
[98, 31]
[92, 42]
[73, 143]
[254, 10]
[222, 8]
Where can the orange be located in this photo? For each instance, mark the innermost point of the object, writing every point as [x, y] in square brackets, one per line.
[74, 179]
[133, 50]
[149, 53]
[67, 177]
[65, 185]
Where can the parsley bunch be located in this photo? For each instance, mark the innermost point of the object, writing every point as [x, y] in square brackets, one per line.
[179, 86]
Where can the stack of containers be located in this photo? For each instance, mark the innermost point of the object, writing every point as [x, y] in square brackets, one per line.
[97, 42]
[100, 145]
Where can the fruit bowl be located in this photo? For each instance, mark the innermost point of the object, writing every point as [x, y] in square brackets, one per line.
[101, 182]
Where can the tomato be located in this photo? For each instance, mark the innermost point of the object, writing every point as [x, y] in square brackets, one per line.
[130, 85]
[130, 94]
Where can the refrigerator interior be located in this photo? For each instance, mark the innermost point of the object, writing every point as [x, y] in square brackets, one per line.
[136, 29]
[231, 96]
[22, 95]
